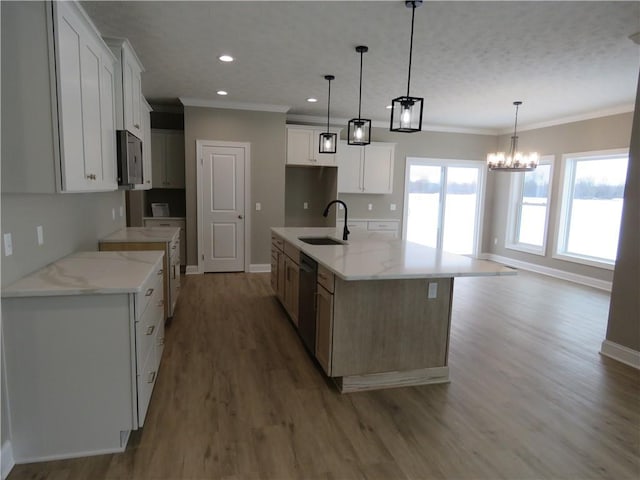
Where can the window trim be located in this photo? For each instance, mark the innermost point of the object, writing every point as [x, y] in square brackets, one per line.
[566, 193]
[514, 209]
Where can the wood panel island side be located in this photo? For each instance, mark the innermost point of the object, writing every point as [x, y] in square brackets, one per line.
[382, 306]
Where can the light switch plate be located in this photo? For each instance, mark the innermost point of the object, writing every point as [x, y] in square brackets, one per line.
[8, 245]
[113, 213]
[433, 290]
[392, 207]
[370, 206]
[305, 205]
[121, 210]
[40, 235]
[258, 206]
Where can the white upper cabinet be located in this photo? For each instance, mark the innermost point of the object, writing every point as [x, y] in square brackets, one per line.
[128, 86]
[61, 75]
[302, 147]
[367, 169]
[145, 124]
[167, 156]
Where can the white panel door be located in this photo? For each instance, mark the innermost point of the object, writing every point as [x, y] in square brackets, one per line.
[222, 203]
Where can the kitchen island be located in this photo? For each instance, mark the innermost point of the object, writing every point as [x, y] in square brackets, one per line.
[382, 306]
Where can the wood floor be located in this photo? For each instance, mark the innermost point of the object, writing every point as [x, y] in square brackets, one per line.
[238, 397]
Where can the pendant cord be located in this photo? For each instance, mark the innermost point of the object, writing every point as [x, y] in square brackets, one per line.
[413, 14]
[328, 103]
[514, 139]
[360, 96]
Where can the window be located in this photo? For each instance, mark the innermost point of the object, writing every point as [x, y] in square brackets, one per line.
[529, 208]
[592, 199]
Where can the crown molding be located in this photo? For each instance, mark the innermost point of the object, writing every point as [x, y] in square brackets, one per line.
[259, 107]
[341, 122]
[606, 112]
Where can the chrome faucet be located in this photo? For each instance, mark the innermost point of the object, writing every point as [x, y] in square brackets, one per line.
[345, 232]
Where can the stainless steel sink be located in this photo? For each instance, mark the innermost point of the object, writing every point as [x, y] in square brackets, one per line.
[321, 241]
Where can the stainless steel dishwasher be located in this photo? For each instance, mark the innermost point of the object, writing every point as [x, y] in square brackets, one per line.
[307, 302]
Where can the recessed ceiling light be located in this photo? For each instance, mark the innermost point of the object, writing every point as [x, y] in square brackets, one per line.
[225, 58]
[312, 100]
[221, 92]
[388, 107]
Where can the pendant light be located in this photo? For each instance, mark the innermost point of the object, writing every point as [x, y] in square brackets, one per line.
[359, 129]
[327, 141]
[406, 112]
[515, 161]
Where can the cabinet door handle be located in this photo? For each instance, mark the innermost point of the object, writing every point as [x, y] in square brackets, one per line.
[149, 292]
[152, 377]
[151, 329]
[160, 272]
[137, 126]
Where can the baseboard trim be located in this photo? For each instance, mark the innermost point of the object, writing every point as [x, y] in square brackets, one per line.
[551, 272]
[191, 270]
[620, 353]
[6, 459]
[260, 268]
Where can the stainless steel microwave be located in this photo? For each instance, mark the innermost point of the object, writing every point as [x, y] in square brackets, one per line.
[129, 159]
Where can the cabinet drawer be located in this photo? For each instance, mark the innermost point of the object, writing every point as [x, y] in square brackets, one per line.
[325, 278]
[383, 225]
[352, 225]
[146, 380]
[147, 326]
[277, 242]
[153, 286]
[292, 252]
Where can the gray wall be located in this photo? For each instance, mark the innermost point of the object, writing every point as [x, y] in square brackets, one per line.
[266, 133]
[588, 135]
[624, 310]
[317, 187]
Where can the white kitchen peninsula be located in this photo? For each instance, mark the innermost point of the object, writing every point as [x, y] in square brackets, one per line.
[83, 341]
[383, 306]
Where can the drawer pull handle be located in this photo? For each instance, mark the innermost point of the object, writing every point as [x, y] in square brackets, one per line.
[161, 342]
[151, 329]
[152, 377]
[137, 126]
[149, 292]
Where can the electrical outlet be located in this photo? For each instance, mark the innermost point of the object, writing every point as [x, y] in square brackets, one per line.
[392, 207]
[121, 210]
[258, 206]
[113, 213]
[8, 245]
[495, 240]
[433, 290]
[370, 207]
[305, 205]
[40, 235]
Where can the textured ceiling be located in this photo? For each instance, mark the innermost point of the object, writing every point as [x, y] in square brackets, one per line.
[471, 59]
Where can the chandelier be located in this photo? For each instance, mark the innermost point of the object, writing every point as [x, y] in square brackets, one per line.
[515, 161]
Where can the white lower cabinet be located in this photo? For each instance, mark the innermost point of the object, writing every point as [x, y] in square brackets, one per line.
[178, 222]
[81, 368]
[367, 169]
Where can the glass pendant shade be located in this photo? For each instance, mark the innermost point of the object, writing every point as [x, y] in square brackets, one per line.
[327, 141]
[359, 129]
[406, 114]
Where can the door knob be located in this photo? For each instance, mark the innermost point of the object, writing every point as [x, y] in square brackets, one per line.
[240, 217]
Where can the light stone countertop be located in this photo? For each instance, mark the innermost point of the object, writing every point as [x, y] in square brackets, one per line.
[142, 234]
[88, 273]
[374, 256]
